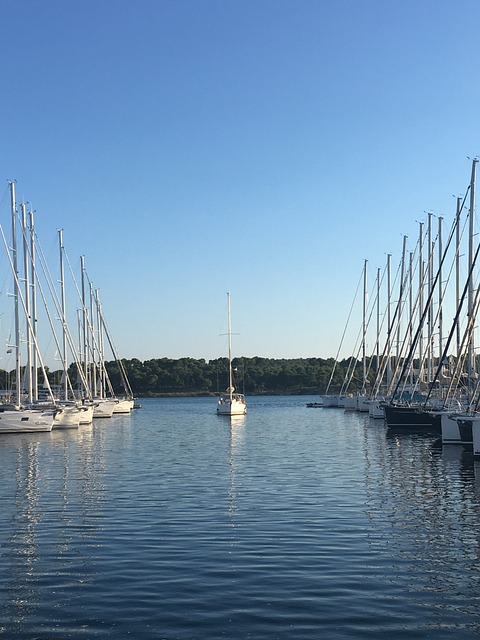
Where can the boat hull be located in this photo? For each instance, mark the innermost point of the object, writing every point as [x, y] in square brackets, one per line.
[67, 418]
[363, 404]
[456, 429]
[123, 406]
[412, 419]
[26, 421]
[350, 403]
[103, 408]
[376, 410]
[86, 414]
[476, 435]
[235, 406]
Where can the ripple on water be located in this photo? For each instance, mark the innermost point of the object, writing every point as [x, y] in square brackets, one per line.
[291, 523]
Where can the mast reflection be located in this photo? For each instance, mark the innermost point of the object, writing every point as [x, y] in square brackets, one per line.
[237, 441]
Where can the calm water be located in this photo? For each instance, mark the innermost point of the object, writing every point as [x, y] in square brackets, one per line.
[174, 523]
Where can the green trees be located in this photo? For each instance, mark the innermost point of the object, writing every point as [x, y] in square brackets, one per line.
[165, 376]
[251, 375]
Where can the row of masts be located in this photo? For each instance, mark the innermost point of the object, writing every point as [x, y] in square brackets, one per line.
[88, 354]
[417, 351]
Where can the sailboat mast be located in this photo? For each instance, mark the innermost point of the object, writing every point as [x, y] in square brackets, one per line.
[16, 292]
[410, 309]
[100, 345]
[440, 288]
[364, 328]
[34, 303]
[389, 317]
[86, 368]
[471, 346]
[421, 290]
[28, 368]
[377, 346]
[64, 320]
[430, 308]
[97, 383]
[400, 299]
[229, 329]
[457, 270]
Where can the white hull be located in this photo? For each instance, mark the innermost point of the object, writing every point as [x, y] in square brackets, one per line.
[103, 408]
[330, 401]
[123, 406]
[363, 404]
[450, 429]
[235, 407]
[67, 418]
[476, 435]
[375, 410]
[86, 414]
[350, 403]
[25, 421]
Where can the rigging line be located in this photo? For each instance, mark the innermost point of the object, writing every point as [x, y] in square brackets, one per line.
[379, 374]
[5, 194]
[27, 318]
[51, 288]
[424, 314]
[73, 275]
[471, 321]
[392, 328]
[429, 266]
[437, 318]
[344, 332]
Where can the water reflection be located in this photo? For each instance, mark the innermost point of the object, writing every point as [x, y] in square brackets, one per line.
[237, 441]
[191, 526]
[22, 546]
[424, 499]
[55, 520]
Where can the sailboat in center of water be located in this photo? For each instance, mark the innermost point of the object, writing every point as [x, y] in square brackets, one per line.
[231, 403]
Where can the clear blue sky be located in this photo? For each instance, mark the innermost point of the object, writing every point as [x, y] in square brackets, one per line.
[266, 148]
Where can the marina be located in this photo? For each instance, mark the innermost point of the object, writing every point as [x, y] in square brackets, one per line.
[318, 474]
[173, 522]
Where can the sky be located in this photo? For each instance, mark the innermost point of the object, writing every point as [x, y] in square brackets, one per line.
[264, 148]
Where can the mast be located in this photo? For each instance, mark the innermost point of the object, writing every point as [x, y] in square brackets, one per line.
[34, 304]
[97, 381]
[400, 299]
[389, 318]
[364, 328]
[457, 270]
[229, 329]
[410, 309]
[28, 368]
[430, 308]
[471, 346]
[377, 346]
[86, 369]
[421, 271]
[440, 289]
[64, 321]
[16, 292]
[100, 345]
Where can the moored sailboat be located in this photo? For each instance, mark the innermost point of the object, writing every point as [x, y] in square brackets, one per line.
[231, 403]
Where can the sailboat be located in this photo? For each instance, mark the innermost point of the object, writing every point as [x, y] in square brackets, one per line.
[231, 403]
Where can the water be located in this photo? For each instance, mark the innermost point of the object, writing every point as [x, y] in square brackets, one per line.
[288, 523]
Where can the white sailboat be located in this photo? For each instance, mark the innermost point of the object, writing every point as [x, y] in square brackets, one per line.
[231, 403]
[15, 418]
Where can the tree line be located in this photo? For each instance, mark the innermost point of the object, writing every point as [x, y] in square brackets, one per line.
[165, 376]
